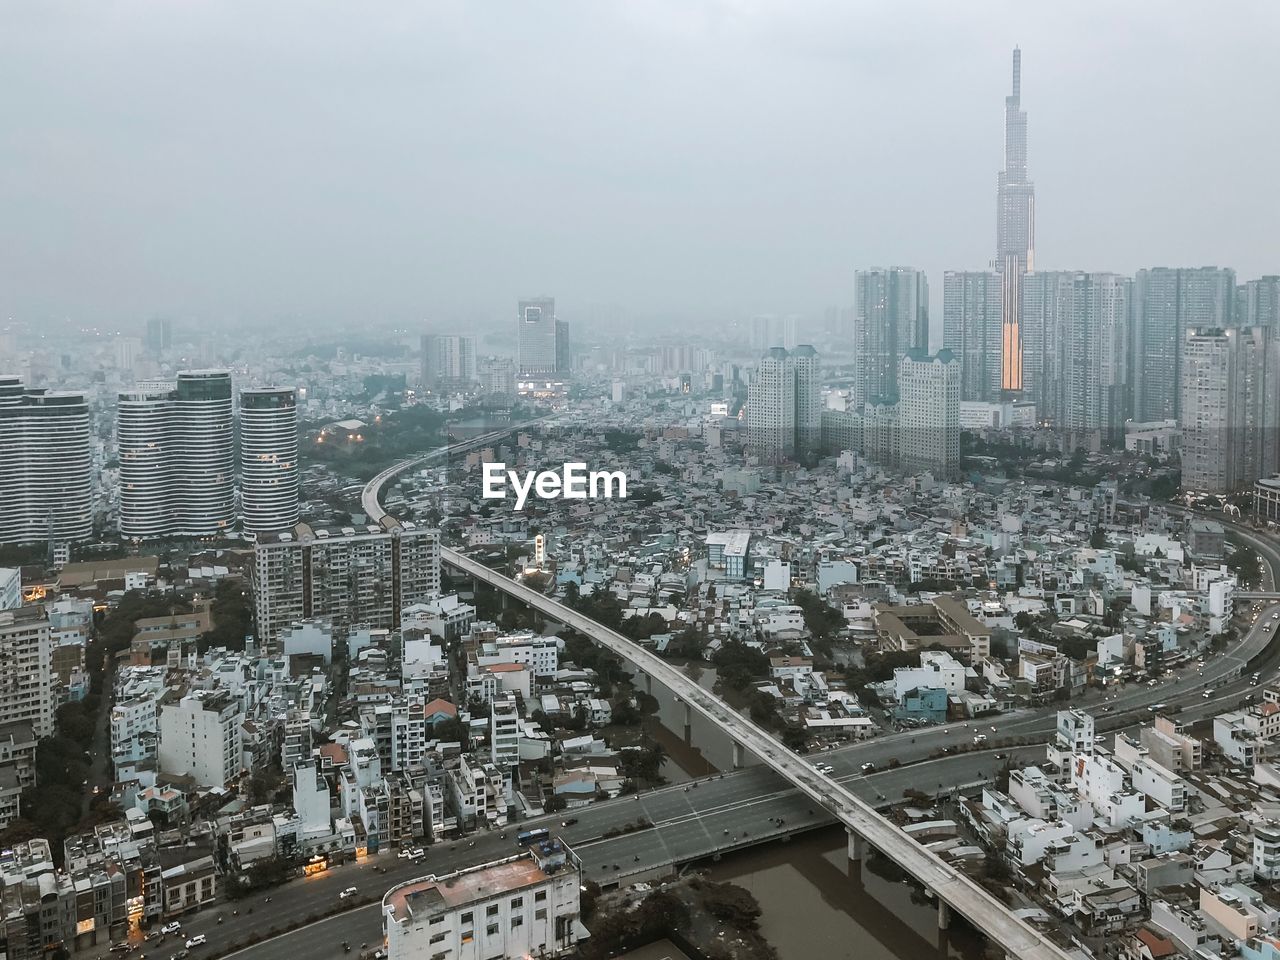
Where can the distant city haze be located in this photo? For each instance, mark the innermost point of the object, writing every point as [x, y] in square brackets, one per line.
[661, 162]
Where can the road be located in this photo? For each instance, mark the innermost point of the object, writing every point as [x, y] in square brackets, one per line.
[688, 818]
[684, 817]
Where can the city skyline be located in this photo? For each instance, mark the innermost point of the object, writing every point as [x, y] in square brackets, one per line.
[658, 217]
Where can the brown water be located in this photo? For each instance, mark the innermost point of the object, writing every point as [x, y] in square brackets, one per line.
[817, 903]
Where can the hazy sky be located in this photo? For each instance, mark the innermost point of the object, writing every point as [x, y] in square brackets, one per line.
[391, 161]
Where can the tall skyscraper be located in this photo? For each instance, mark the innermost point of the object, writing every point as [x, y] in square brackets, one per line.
[159, 336]
[971, 329]
[1231, 397]
[784, 405]
[1258, 303]
[448, 361]
[268, 459]
[891, 316]
[929, 412]
[1075, 360]
[1167, 302]
[771, 407]
[804, 361]
[1015, 229]
[46, 477]
[541, 339]
[177, 458]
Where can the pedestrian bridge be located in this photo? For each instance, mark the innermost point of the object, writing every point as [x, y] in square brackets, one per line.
[954, 889]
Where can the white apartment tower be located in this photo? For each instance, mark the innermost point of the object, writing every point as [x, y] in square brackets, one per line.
[26, 669]
[177, 458]
[449, 361]
[929, 412]
[784, 405]
[200, 737]
[269, 490]
[46, 477]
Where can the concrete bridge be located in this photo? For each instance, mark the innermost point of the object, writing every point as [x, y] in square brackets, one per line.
[955, 891]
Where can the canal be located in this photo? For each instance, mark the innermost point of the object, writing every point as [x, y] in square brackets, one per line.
[815, 902]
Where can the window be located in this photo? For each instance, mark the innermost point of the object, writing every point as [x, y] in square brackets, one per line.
[540, 896]
[466, 918]
[492, 930]
[435, 920]
[517, 903]
[491, 910]
[517, 922]
[438, 937]
[540, 913]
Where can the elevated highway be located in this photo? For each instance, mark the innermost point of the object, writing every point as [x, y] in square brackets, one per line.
[954, 890]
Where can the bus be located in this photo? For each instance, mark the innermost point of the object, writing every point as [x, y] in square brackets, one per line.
[528, 837]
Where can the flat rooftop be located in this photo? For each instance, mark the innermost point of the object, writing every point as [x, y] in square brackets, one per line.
[432, 895]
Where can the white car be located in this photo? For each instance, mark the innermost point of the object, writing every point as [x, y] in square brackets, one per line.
[349, 892]
[199, 940]
[417, 853]
[406, 854]
[174, 927]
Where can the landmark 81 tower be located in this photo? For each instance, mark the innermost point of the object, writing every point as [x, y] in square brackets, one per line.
[1015, 230]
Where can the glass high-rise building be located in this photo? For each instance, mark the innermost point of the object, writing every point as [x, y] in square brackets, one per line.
[891, 317]
[538, 333]
[971, 328]
[177, 458]
[1168, 302]
[269, 491]
[1015, 231]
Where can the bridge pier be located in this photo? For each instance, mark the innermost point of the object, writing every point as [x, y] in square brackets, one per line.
[688, 718]
[944, 915]
[857, 846]
[648, 684]
[739, 755]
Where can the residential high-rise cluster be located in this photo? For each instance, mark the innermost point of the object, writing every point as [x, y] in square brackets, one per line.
[177, 446]
[1076, 352]
[449, 361]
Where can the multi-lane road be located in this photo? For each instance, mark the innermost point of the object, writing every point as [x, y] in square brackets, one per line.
[739, 807]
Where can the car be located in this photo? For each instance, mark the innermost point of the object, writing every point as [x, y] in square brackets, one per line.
[570, 822]
[405, 854]
[349, 892]
[1208, 693]
[171, 927]
[199, 940]
[868, 767]
[417, 853]
[121, 947]
[979, 738]
[999, 756]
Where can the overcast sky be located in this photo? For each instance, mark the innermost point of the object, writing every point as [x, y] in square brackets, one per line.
[394, 161]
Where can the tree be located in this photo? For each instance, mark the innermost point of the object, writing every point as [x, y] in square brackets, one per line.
[1098, 539]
